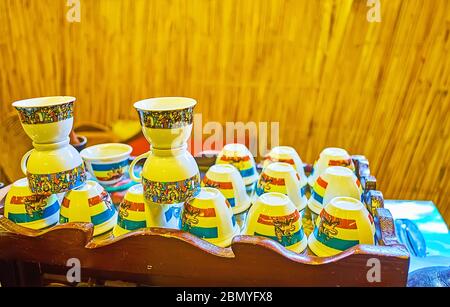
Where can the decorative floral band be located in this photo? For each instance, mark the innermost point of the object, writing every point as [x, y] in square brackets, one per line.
[45, 115]
[271, 159]
[171, 192]
[166, 119]
[57, 182]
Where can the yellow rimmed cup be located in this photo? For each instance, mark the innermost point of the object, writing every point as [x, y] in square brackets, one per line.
[331, 156]
[281, 177]
[108, 163]
[240, 157]
[227, 179]
[209, 216]
[274, 216]
[46, 119]
[131, 212]
[30, 210]
[287, 154]
[335, 181]
[343, 223]
[90, 204]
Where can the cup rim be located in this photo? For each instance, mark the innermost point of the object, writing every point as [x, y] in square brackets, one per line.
[284, 167]
[85, 153]
[345, 203]
[40, 102]
[173, 104]
[265, 199]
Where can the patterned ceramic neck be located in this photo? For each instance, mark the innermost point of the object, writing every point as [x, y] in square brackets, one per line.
[169, 152]
[51, 146]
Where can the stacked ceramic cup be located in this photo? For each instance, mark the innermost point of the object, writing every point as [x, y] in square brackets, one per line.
[52, 167]
[170, 175]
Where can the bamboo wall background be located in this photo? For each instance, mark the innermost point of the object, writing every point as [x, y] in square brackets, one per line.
[320, 68]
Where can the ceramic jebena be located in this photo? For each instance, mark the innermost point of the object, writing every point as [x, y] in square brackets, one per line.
[331, 156]
[131, 212]
[91, 204]
[169, 176]
[240, 157]
[30, 210]
[274, 216]
[166, 121]
[209, 216]
[227, 179]
[53, 168]
[343, 223]
[46, 119]
[335, 181]
[288, 155]
[281, 177]
[108, 163]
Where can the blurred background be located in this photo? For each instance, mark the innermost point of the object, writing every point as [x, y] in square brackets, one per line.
[320, 68]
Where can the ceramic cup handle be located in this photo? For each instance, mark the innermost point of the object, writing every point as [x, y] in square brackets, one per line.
[132, 165]
[23, 162]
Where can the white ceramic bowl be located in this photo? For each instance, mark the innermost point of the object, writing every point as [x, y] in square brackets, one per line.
[91, 204]
[282, 178]
[274, 216]
[331, 156]
[209, 216]
[227, 179]
[343, 223]
[240, 157]
[46, 119]
[166, 121]
[28, 209]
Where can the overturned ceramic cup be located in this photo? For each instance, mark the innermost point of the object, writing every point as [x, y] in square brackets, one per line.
[227, 179]
[274, 216]
[209, 216]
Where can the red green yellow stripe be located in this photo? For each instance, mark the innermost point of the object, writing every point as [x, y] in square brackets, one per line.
[132, 206]
[216, 184]
[340, 223]
[342, 162]
[208, 212]
[234, 159]
[322, 183]
[290, 161]
[272, 180]
[91, 201]
[269, 220]
[97, 199]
